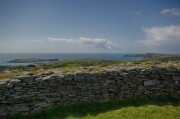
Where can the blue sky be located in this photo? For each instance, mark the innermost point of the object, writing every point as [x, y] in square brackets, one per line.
[89, 26]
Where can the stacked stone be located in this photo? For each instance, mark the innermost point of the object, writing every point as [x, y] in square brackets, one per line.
[32, 93]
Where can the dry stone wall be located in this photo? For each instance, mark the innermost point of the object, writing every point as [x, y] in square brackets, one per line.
[32, 93]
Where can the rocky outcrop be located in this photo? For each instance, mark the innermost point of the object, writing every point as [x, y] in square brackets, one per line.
[32, 93]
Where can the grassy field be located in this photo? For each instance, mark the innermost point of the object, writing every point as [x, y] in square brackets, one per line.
[148, 108]
[77, 63]
[9, 75]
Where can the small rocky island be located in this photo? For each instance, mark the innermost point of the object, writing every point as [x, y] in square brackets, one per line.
[29, 60]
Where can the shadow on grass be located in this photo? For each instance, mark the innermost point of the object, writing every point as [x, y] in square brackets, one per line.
[80, 110]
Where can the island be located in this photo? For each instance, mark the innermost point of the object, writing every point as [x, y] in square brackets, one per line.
[151, 55]
[29, 60]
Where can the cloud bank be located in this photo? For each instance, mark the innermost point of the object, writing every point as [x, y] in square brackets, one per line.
[162, 38]
[100, 43]
[171, 12]
[95, 42]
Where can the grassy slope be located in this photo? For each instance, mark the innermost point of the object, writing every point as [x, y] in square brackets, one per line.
[9, 75]
[148, 108]
[77, 63]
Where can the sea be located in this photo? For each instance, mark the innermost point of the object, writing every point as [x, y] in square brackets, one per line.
[6, 57]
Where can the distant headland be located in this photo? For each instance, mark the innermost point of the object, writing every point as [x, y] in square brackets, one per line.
[29, 60]
[150, 55]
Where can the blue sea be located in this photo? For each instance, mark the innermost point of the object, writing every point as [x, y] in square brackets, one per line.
[5, 57]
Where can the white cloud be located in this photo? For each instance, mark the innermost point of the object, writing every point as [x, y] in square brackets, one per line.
[172, 12]
[100, 43]
[96, 42]
[162, 38]
[60, 40]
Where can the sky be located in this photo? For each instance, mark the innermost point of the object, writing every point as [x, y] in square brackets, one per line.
[90, 26]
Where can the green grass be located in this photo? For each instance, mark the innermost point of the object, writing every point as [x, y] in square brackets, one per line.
[77, 63]
[148, 108]
[160, 59]
[9, 75]
[72, 65]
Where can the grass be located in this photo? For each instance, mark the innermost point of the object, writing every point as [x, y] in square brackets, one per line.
[148, 108]
[77, 63]
[9, 75]
[71, 65]
[158, 60]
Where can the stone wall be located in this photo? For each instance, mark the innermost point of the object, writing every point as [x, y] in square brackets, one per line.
[32, 93]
